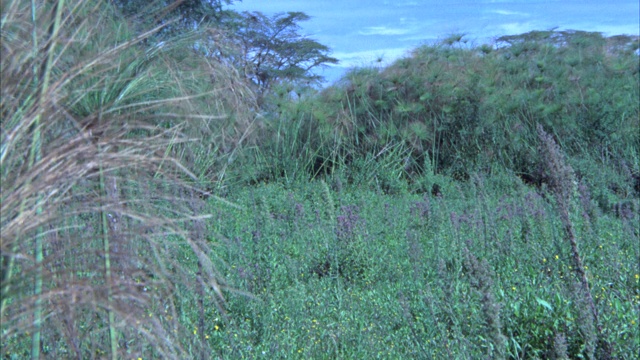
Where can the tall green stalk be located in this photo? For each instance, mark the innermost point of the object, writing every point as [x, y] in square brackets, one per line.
[107, 267]
[34, 156]
[104, 193]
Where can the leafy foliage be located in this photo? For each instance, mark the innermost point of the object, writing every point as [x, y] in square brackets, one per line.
[177, 16]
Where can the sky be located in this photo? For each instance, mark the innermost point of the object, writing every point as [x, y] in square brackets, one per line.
[377, 32]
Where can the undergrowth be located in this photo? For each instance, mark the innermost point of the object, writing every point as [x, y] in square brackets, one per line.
[482, 269]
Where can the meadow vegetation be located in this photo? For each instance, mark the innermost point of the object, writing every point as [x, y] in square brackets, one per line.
[170, 191]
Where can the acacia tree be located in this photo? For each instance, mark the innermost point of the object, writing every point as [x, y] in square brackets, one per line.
[274, 51]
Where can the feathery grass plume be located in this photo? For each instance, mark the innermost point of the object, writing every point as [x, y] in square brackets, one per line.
[561, 183]
[329, 203]
[585, 321]
[559, 351]
[480, 278]
[95, 235]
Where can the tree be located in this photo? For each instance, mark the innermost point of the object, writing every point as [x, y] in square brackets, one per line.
[273, 50]
[267, 50]
[184, 15]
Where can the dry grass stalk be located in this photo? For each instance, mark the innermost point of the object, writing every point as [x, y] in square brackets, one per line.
[561, 183]
[97, 118]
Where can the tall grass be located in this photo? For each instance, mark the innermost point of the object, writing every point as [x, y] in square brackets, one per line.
[482, 270]
[95, 203]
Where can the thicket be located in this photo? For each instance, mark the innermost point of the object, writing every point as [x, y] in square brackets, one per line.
[456, 109]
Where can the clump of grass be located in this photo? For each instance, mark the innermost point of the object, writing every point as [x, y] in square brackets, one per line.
[94, 219]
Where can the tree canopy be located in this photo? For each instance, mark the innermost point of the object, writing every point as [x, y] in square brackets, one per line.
[273, 50]
[187, 14]
[266, 49]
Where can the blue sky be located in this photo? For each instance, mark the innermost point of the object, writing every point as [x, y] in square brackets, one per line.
[361, 31]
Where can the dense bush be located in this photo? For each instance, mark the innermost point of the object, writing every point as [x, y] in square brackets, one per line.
[467, 108]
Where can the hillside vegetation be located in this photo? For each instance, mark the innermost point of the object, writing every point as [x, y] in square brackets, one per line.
[180, 191]
[464, 109]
